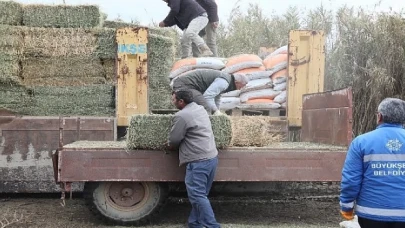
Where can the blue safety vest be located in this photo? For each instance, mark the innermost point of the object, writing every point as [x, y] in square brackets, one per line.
[373, 176]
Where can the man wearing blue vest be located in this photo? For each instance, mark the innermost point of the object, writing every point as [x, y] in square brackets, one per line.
[373, 176]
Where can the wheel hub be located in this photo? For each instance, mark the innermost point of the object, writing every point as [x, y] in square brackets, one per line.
[126, 194]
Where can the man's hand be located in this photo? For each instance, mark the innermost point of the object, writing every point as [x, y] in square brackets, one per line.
[162, 24]
[348, 215]
[215, 24]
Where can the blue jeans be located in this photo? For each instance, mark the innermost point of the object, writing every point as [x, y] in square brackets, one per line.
[199, 178]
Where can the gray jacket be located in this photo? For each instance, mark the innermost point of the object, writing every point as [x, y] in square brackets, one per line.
[192, 132]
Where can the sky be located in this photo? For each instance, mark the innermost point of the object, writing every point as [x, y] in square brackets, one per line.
[148, 11]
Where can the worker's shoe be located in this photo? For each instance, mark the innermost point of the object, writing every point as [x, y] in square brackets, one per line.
[205, 51]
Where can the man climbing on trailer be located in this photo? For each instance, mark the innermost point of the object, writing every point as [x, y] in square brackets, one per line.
[191, 18]
[192, 133]
[207, 86]
[373, 175]
[210, 30]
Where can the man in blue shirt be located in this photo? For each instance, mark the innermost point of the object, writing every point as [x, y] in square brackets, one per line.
[373, 176]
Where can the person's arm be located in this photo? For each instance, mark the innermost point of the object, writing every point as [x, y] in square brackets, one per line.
[352, 178]
[177, 132]
[174, 10]
[214, 90]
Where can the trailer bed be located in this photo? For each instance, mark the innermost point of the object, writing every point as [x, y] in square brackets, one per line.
[112, 161]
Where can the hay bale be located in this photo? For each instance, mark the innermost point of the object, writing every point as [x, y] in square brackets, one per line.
[11, 42]
[109, 68]
[61, 16]
[10, 13]
[61, 68]
[9, 72]
[15, 98]
[64, 81]
[161, 57]
[58, 42]
[94, 100]
[106, 47]
[255, 131]
[118, 24]
[152, 131]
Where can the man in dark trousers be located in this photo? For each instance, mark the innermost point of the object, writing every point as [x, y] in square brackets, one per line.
[373, 176]
[207, 85]
[191, 18]
[210, 30]
[192, 133]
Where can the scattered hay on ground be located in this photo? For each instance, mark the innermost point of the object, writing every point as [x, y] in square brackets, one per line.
[61, 16]
[152, 131]
[10, 13]
[61, 68]
[58, 42]
[161, 57]
[256, 131]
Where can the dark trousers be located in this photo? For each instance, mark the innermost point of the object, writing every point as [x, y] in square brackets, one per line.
[199, 178]
[368, 223]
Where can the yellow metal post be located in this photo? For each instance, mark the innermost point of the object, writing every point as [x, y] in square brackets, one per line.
[132, 77]
[306, 66]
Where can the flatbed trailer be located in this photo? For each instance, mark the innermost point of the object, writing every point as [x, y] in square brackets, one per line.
[128, 186]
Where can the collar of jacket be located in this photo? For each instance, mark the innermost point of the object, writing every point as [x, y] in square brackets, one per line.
[389, 125]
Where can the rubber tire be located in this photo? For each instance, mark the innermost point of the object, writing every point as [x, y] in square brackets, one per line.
[95, 200]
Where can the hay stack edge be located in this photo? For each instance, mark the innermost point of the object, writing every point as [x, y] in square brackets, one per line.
[151, 131]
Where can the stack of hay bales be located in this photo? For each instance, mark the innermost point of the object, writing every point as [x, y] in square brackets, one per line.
[56, 60]
[151, 131]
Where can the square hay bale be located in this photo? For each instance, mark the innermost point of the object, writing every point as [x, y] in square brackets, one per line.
[118, 24]
[94, 100]
[15, 98]
[9, 72]
[161, 56]
[10, 13]
[64, 81]
[106, 46]
[61, 16]
[152, 131]
[11, 41]
[61, 68]
[257, 131]
[109, 68]
[58, 42]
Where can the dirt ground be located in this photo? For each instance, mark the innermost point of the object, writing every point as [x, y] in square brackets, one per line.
[46, 212]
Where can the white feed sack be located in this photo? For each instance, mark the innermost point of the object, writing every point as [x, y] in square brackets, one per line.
[280, 80]
[234, 93]
[281, 98]
[281, 50]
[259, 75]
[259, 94]
[280, 87]
[228, 103]
[350, 224]
[198, 63]
[278, 67]
[242, 66]
[264, 105]
[257, 85]
[284, 105]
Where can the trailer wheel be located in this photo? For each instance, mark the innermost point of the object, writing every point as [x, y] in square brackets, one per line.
[125, 203]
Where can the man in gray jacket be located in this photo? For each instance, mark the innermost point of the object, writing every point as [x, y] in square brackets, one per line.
[207, 85]
[192, 133]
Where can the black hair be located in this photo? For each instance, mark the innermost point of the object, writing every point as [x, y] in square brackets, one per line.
[185, 95]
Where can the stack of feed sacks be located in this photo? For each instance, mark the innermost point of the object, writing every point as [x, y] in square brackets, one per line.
[258, 93]
[183, 66]
[276, 63]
